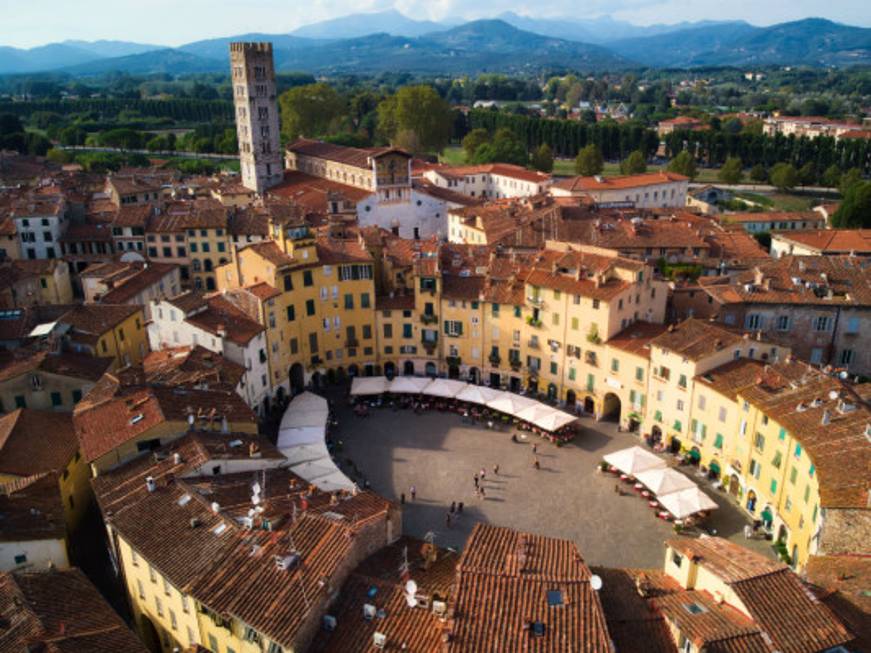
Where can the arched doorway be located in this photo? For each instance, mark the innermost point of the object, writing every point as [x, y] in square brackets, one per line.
[408, 368]
[551, 391]
[514, 384]
[751, 502]
[431, 369]
[571, 398]
[611, 408]
[297, 378]
[150, 637]
[532, 385]
[389, 370]
[589, 405]
[474, 375]
[353, 370]
[317, 380]
[714, 469]
[655, 435]
[368, 370]
[279, 394]
[734, 485]
[453, 372]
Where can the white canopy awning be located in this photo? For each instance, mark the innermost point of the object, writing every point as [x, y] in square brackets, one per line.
[634, 460]
[444, 388]
[555, 420]
[312, 470]
[535, 412]
[510, 403]
[687, 502]
[408, 385]
[306, 453]
[307, 409]
[368, 385]
[478, 394]
[299, 435]
[333, 482]
[664, 480]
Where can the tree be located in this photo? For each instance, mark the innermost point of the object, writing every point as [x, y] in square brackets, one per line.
[807, 174]
[309, 110]
[759, 174]
[634, 164]
[418, 109]
[848, 179]
[783, 176]
[831, 176]
[731, 172]
[683, 164]
[473, 140]
[589, 161]
[542, 158]
[504, 148]
[855, 209]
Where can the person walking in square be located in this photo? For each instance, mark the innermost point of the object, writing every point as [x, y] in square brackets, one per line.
[482, 473]
[536, 464]
[453, 507]
[476, 482]
[413, 492]
[483, 494]
[496, 469]
[460, 508]
[534, 448]
[402, 498]
[448, 520]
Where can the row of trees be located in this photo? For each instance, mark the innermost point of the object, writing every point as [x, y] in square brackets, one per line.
[179, 109]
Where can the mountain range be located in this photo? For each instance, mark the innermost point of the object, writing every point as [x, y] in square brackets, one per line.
[389, 41]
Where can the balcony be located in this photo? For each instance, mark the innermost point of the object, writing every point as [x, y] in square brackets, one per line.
[350, 343]
[494, 360]
[533, 321]
[535, 300]
[515, 364]
[429, 318]
[453, 361]
[533, 343]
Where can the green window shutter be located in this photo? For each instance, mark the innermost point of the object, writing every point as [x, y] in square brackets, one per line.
[718, 441]
[446, 327]
[694, 425]
[459, 328]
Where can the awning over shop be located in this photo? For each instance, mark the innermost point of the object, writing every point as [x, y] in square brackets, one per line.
[634, 460]
[369, 385]
[687, 502]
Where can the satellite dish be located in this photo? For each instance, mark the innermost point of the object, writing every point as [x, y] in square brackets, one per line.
[844, 374]
[833, 394]
[596, 582]
[411, 588]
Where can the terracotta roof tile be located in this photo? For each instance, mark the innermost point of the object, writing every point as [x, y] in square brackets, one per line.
[588, 184]
[34, 441]
[32, 509]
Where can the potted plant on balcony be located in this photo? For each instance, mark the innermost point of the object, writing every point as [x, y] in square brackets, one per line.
[532, 321]
[593, 335]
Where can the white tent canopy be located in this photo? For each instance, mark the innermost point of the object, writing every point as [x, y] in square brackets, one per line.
[312, 470]
[664, 480]
[447, 388]
[478, 394]
[687, 502]
[555, 420]
[634, 460]
[307, 409]
[408, 385]
[368, 385]
[510, 403]
[306, 453]
[332, 482]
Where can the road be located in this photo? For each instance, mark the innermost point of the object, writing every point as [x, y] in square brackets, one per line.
[765, 188]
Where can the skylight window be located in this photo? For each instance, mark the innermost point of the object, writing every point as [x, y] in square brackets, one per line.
[554, 598]
[694, 608]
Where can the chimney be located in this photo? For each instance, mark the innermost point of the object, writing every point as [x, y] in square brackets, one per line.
[150, 485]
[176, 458]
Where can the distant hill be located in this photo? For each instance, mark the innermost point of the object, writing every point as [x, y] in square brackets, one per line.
[813, 41]
[601, 31]
[516, 44]
[157, 61]
[106, 49]
[356, 25]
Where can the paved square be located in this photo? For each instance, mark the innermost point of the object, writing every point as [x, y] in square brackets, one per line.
[439, 454]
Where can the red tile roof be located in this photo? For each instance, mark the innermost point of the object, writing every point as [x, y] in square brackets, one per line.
[81, 623]
[503, 581]
[597, 183]
[32, 509]
[35, 441]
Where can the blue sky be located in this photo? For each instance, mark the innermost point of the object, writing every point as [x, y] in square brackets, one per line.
[172, 22]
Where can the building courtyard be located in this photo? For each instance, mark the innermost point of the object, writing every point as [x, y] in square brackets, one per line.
[439, 454]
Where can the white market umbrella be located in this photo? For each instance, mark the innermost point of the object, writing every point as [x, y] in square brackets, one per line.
[411, 385]
[510, 403]
[555, 420]
[447, 388]
[478, 394]
[687, 502]
[536, 412]
[664, 480]
[634, 460]
[368, 385]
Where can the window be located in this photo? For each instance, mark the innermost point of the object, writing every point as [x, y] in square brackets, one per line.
[639, 374]
[778, 460]
[166, 587]
[783, 322]
[759, 442]
[307, 279]
[846, 356]
[453, 328]
[554, 368]
[682, 381]
[309, 307]
[781, 435]
[407, 331]
[291, 313]
[822, 323]
[753, 321]
[185, 606]
[213, 643]
[56, 399]
[797, 452]
[701, 402]
[140, 589]
[596, 304]
[158, 604]
[364, 300]
[853, 325]
[172, 620]
[349, 300]
[754, 469]
[615, 365]
[274, 648]
[793, 474]
[518, 311]
[718, 441]
[676, 558]
[773, 486]
[151, 575]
